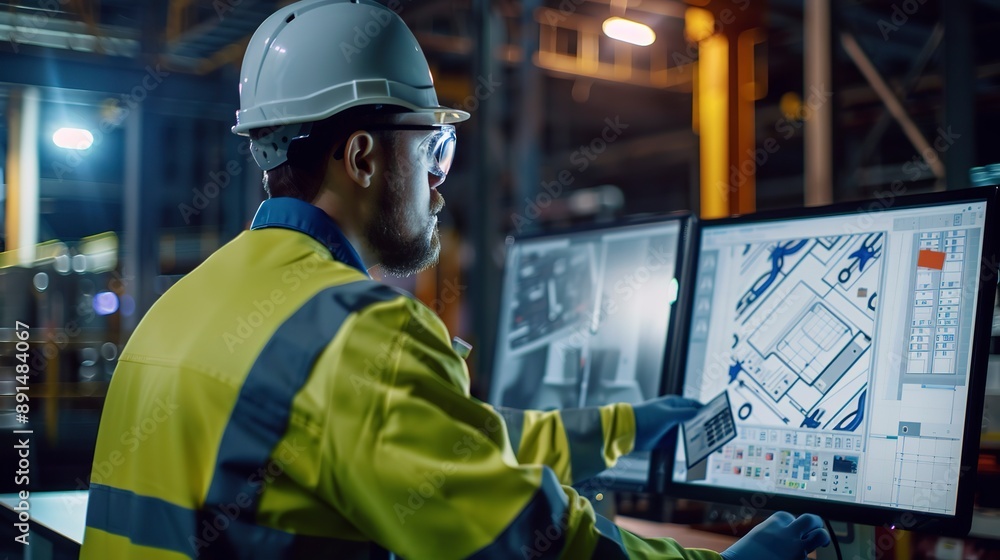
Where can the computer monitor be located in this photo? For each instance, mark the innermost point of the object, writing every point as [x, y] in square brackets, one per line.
[585, 321]
[852, 342]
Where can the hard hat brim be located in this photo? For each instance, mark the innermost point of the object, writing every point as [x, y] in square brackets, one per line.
[256, 117]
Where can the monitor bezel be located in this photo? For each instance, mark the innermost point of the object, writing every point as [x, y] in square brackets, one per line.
[958, 524]
[670, 358]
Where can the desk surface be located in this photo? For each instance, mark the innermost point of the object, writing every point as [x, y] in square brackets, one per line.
[64, 513]
[683, 534]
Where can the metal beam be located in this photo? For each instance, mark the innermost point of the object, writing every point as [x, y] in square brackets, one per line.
[817, 62]
[588, 60]
[743, 95]
[247, 15]
[529, 126]
[85, 9]
[484, 284]
[144, 173]
[658, 7]
[876, 132]
[230, 54]
[862, 94]
[23, 175]
[133, 244]
[18, 32]
[892, 103]
[134, 80]
[959, 93]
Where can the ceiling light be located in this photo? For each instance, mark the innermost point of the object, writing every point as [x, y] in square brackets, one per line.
[73, 138]
[105, 303]
[629, 31]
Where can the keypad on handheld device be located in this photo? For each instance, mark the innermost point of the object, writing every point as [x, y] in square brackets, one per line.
[712, 428]
[719, 427]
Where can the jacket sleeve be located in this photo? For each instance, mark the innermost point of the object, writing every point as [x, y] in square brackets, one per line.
[425, 471]
[576, 443]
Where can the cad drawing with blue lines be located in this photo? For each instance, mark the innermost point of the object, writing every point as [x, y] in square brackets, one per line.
[802, 330]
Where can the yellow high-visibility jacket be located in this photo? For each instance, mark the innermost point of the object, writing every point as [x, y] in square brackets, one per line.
[278, 403]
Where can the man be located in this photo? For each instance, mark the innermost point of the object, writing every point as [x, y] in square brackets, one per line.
[277, 403]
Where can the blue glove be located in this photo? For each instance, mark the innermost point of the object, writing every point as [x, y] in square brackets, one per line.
[655, 417]
[781, 537]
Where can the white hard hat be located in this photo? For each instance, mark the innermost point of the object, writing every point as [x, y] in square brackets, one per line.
[315, 58]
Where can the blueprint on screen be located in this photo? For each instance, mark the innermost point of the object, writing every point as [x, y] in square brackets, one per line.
[802, 330]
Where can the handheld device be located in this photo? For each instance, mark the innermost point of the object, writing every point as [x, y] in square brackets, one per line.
[712, 428]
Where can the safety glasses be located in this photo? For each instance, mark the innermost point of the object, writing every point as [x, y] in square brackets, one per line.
[438, 147]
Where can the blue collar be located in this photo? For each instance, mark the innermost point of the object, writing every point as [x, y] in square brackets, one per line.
[298, 215]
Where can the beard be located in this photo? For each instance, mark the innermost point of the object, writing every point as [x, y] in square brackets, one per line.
[401, 254]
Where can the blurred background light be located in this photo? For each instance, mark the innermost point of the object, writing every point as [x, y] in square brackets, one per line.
[628, 31]
[109, 351]
[699, 24]
[79, 263]
[88, 356]
[73, 138]
[41, 281]
[105, 303]
[128, 305]
[61, 263]
[101, 251]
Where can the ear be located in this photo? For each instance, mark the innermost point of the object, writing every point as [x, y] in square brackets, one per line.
[359, 158]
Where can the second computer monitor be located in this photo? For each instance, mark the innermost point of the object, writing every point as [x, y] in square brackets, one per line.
[584, 321]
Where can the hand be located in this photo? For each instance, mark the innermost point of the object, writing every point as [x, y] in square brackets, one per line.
[781, 537]
[655, 417]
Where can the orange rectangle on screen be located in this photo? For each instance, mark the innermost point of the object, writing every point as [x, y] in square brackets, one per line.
[931, 259]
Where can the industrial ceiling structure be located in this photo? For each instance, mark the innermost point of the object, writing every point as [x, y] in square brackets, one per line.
[584, 72]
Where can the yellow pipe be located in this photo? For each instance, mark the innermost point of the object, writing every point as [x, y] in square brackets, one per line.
[14, 172]
[713, 124]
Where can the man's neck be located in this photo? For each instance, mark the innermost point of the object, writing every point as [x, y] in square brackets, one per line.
[348, 224]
